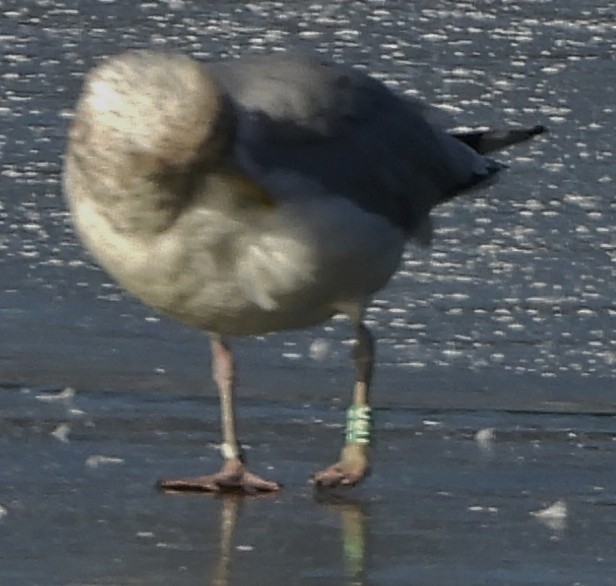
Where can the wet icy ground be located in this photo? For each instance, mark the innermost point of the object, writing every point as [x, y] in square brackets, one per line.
[506, 324]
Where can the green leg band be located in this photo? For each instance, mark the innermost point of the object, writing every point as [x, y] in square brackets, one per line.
[359, 425]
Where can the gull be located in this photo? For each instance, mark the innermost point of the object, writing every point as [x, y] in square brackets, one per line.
[261, 194]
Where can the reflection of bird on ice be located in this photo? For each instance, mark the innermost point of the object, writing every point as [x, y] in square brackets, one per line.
[258, 195]
[353, 534]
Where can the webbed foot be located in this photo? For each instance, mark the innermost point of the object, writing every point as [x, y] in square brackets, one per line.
[352, 468]
[233, 477]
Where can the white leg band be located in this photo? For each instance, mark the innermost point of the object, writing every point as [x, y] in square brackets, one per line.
[230, 452]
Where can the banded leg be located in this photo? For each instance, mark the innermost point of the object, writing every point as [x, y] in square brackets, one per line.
[234, 475]
[353, 465]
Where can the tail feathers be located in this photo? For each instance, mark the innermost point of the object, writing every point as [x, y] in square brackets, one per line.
[487, 141]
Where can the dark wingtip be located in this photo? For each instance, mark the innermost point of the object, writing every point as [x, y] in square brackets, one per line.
[487, 141]
[537, 129]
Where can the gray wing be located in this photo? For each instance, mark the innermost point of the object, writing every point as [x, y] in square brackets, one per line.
[351, 134]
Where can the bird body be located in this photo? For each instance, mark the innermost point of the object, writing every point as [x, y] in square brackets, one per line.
[259, 195]
[328, 148]
[238, 268]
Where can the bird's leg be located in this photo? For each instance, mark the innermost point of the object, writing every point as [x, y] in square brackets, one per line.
[353, 465]
[234, 475]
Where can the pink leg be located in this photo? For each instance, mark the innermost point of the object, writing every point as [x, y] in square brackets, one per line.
[234, 475]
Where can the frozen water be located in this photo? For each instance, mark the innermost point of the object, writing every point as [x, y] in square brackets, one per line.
[506, 324]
